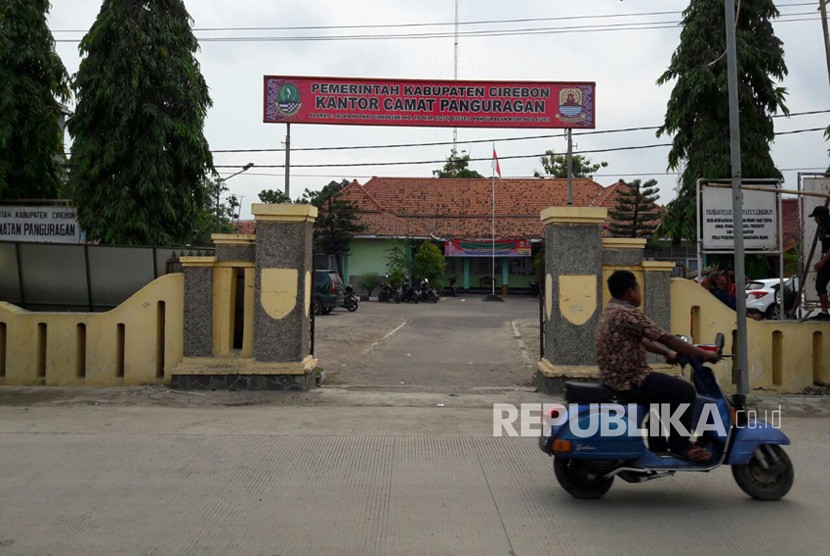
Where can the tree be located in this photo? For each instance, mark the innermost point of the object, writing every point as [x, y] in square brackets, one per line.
[399, 264]
[698, 109]
[369, 282]
[428, 263]
[273, 197]
[556, 165]
[457, 167]
[635, 213]
[140, 158]
[32, 81]
[336, 223]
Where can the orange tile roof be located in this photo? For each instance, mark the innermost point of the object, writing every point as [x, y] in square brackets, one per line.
[456, 207]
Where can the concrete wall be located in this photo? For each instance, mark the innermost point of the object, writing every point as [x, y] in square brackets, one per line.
[785, 356]
[136, 343]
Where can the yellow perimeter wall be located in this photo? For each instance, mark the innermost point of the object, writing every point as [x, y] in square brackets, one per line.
[141, 340]
[786, 356]
[136, 343]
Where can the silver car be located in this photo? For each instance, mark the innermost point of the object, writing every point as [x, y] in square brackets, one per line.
[763, 296]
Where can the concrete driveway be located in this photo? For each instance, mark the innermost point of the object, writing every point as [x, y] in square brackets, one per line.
[459, 344]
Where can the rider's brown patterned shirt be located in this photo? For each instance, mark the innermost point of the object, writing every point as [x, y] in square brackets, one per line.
[621, 356]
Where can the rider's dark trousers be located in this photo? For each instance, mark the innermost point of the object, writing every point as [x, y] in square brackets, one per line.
[661, 388]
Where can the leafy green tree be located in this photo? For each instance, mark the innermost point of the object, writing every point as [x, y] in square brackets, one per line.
[399, 265]
[273, 197]
[429, 263]
[217, 215]
[457, 166]
[369, 282]
[139, 157]
[635, 213]
[556, 165]
[32, 81]
[698, 110]
[336, 223]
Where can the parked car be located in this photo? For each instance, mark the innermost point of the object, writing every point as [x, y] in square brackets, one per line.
[762, 295]
[328, 292]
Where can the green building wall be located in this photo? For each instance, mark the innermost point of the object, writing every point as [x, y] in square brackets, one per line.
[367, 255]
[370, 255]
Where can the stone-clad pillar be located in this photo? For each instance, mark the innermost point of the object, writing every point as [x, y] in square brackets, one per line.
[198, 305]
[283, 284]
[620, 253]
[234, 271]
[276, 269]
[573, 293]
[657, 285]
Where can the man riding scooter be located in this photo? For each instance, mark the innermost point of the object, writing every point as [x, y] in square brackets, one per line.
[624, 334]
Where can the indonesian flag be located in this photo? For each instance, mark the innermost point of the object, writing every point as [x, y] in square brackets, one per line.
[496, 167]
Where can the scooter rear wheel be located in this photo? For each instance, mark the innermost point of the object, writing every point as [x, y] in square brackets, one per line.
[768, 484]
[578, 480]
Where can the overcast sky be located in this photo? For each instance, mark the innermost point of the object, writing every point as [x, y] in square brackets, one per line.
[622, 46]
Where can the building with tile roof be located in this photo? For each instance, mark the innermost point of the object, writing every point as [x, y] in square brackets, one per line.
[406, 211]
[459, 211]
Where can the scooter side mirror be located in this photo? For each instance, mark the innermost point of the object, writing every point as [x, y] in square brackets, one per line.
[720, 341]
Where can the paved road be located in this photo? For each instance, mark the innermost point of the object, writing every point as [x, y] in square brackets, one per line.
[366, 465]
[320, 478]
[459, 344]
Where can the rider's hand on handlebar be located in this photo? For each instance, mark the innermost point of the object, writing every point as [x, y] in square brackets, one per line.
[671, 358]
[711, 356]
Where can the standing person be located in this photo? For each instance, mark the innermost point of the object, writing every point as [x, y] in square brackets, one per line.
[822, 266]
[720, 289]
[624, 334]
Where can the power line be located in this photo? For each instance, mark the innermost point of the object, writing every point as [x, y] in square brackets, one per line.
[445, 23]
[608, 27]
[507, 157]
[597, 174]
[475, 141]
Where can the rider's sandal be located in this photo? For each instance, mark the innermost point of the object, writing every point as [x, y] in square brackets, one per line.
[697, 454]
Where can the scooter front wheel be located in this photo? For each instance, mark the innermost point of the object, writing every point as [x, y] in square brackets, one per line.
[766, 476]
[576, 477]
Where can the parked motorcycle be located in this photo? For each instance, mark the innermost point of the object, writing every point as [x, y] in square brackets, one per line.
[533, 288]
[410, 293]
[350, 300]
[586, 461]
[426, 293]
[453, 288]
[388, 293]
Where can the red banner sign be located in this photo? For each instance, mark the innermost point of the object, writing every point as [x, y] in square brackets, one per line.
[487, 248]
[337, 100]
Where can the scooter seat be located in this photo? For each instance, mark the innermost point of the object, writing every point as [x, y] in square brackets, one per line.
[588, 392]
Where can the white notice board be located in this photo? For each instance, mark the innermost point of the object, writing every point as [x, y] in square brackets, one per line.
[760, 212]
[40, 224]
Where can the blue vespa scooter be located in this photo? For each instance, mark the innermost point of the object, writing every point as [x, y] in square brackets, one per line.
[586, 461]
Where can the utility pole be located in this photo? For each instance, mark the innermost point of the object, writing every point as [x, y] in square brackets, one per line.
[287, 158]
[741, 369]
[218, 190]
[822, 6]
[570, 164]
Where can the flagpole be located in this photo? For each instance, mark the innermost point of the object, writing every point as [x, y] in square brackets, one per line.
[493, 224]
[493, 296]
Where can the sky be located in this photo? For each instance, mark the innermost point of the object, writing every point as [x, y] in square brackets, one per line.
[622, 46]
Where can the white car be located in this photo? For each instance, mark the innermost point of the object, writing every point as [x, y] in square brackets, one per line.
[762, 295]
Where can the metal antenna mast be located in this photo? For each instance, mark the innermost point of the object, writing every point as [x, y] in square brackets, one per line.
[455, 73]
